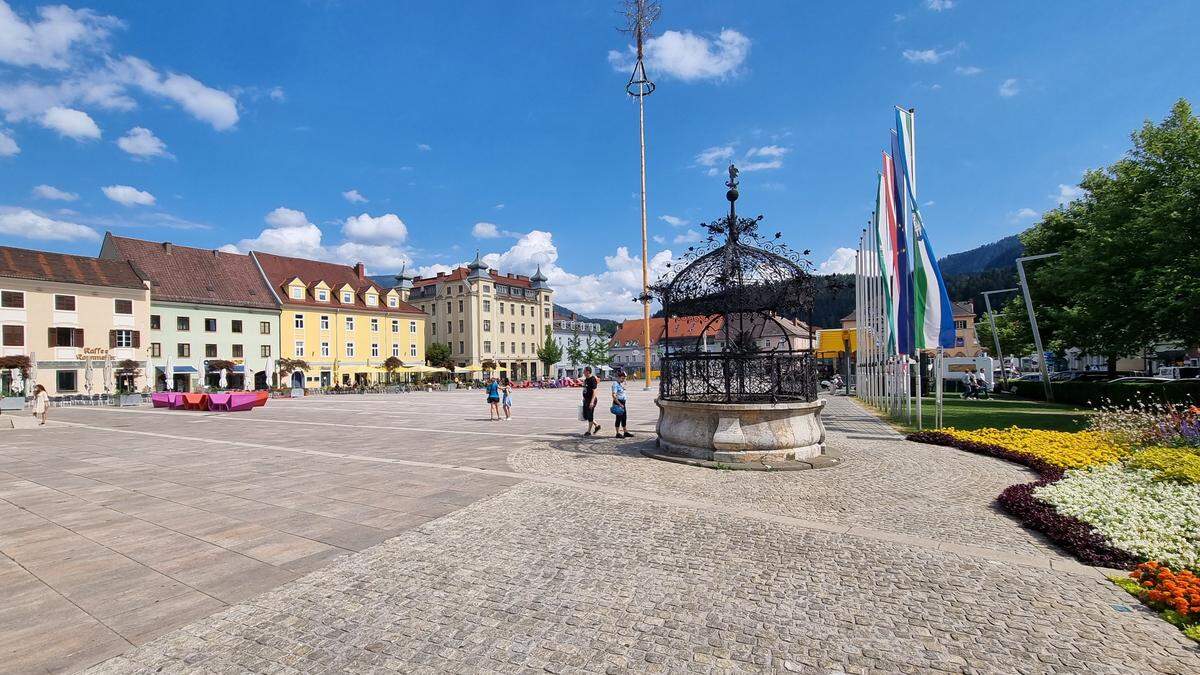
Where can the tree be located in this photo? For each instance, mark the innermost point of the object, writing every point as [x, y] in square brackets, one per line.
[549, 353]
[575, 352]
[1128, 275]
[288, 366]
[391, 364]
[597, 353]
[438, 355]
[127, 373]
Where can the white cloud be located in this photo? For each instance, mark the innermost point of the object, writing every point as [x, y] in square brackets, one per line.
[277, 94]
[687, 56]
[841, 261]
[711, 156]
[290, 233]
[499, 207]
[128, 196]
[8, 145]
[930, 55]
[673, 221]
[29, 225]
[364, 227]
[432, 270]
[968, 70]
[939, 5]
[1010, 88]
[768, 151]
[484, 230]
[354, 197]
[206, 104]
[48, 42]
[688, 237]
[71, 123]
[929, 203]
[1025, 213]
[659, 239]
[50, 192]
[284, 217]
[142, 143]
[1068, 193]
[424, 147]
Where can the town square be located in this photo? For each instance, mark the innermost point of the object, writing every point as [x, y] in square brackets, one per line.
[635, 337]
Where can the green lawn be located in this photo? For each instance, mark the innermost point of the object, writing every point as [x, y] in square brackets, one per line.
[1001, 413]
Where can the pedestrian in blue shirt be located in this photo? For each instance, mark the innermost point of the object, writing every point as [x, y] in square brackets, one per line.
[493, 399]
[619, 405]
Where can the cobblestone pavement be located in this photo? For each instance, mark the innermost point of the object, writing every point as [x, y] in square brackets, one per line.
[570, 580]
[885, 482]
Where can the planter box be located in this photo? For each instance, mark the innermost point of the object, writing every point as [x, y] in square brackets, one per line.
[12, 403]
[125, 400]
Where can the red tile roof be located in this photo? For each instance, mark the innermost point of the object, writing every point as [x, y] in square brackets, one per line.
[282, 269]
[186, 274]
[632, 330]
[690, 326]
[20, 263]
[460, 273]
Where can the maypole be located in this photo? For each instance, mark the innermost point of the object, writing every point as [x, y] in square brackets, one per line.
[640, 14]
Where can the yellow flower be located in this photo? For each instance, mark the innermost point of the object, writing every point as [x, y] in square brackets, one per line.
[1070, 450]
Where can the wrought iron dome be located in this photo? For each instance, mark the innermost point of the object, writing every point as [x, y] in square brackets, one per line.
[754, 297]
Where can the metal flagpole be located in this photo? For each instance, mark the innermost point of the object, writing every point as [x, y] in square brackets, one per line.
[641, 14]
[987, 301]
[1037, 336]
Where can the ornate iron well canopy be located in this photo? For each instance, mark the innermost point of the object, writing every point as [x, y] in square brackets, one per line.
[738, 380]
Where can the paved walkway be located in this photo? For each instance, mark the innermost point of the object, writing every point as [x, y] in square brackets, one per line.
[600, 559]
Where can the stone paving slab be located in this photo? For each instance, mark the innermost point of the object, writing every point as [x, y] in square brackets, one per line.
[575, 581]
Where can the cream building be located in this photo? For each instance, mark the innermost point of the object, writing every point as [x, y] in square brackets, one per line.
[69, 312]
[484, 315]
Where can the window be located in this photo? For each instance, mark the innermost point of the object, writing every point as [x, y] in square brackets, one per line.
[412, 350]
[155, 322]
[14, 336]
[514, 347]
[324, 349]
[487, 324]
[502, 326]
[210, 351]
[299, 348]
[547, 312]
[122, 306]
[487, 305]
[522, 310]
[155, 350]
[393, 301]
[449, 327]
[501, 347]
[297, 292]
[374, 349]
[462, 349]
[183, 350]
[374, 325]
[298, 321]
[395, 325]
[210, 325]
[122, 338]
[432, 308]
[237, 351]
[958, 342]
[349, 349]
[235, 325]
[264, 351]
[264, 327]
[960, 325]
[487, 346]
[395, 349]
[372, 299]
[65, 380]
[460, 305]
[487, 289]
[512, 327]
[64, 303]
[12, 299]
[501, 306]
[522, 347]
[522, 329]
[412, 327]
[347, 297]
[324, 322]
[512, 309]
[460, 325]
[323, 295]
[350, 323]
[434, 327]
[66, 337]
[449, 307]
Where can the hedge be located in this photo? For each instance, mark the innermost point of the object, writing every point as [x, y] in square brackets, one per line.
[1120, 393]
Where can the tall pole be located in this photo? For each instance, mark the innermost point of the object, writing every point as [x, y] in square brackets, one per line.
[640, 14]
[987, 301]
[1037, 336]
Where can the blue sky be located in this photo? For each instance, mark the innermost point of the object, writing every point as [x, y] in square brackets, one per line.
[403, 132]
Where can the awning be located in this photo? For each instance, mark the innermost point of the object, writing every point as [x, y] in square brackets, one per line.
[180, 370]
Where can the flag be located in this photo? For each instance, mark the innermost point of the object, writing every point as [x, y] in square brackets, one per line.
[904, 314]
[886, 236]
[933, 315]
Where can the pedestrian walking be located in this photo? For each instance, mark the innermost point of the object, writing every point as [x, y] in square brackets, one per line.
[506, 398]
[619, 405]
[41, 404]
[590, 384]
[493, 399]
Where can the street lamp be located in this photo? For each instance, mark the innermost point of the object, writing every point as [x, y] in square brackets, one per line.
[1037, 336]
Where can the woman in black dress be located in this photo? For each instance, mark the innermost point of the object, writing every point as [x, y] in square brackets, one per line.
[590, 383]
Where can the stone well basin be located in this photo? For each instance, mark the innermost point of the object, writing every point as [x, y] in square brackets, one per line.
[742, 432]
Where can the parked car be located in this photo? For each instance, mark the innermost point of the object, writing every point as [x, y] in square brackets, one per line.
[1080, 376]
[1179, 372]
[1140, 379]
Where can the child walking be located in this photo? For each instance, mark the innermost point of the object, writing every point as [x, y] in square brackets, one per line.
[506, 398]
[618, 405]
[41, 404]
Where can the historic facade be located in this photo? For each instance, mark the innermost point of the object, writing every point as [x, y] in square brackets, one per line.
[568, 330]
[206, 307]
[486, 316]
[340, 322]
[76, 318]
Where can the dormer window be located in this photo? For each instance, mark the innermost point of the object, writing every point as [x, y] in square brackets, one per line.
[347, 298]
[297, 292]
[323, 295]
[393, 302]
[372, 299]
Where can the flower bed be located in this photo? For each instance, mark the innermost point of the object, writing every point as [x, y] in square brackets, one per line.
[1060, 448]
[1176, 595]
[1175, 464]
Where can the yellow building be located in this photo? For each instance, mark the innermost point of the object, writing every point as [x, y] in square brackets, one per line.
[340, 322]
[966, 340]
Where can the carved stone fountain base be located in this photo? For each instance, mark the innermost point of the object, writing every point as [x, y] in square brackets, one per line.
[742, 432]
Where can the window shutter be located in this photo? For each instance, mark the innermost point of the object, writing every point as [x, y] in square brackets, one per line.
[53, 334]
[112, 339]
[137, 339]
[78, 333]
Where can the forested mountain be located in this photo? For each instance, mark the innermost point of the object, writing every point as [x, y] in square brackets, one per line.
[991, 256]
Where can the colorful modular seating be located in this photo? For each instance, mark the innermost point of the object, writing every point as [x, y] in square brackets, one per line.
[227, 401]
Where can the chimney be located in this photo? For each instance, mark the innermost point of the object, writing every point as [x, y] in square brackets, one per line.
[360, 270]
[167, 247]
[216, 253]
